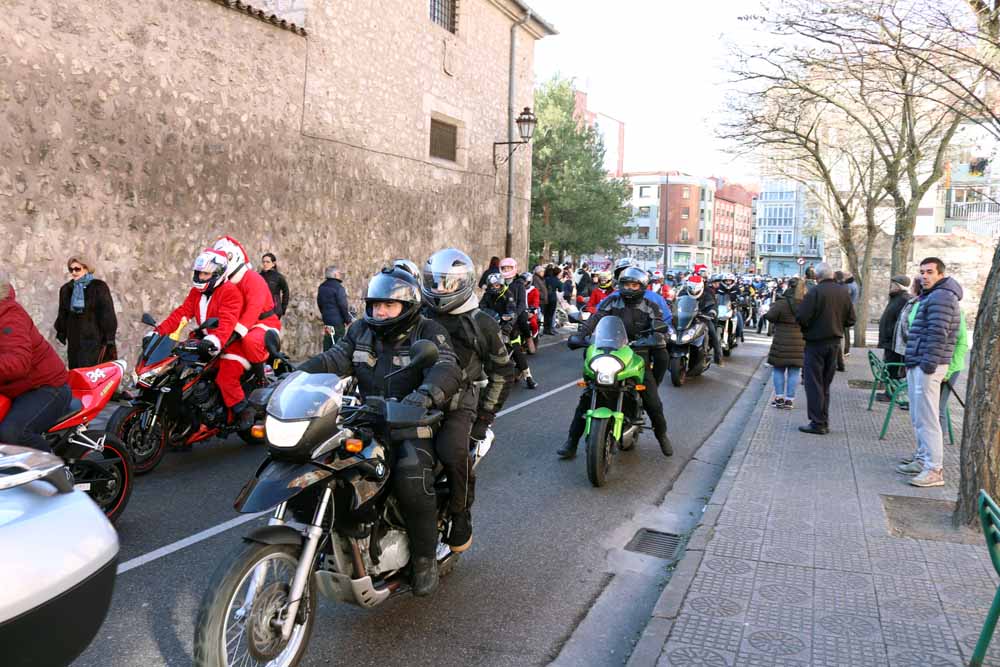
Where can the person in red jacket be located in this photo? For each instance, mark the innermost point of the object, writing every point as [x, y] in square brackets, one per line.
[32, 376]
[257, 316]
[604, 287]
[210, 296]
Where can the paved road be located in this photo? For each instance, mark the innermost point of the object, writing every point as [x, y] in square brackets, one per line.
[513, 599]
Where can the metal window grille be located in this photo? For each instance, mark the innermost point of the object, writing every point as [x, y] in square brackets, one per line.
[444, 140]
[445, 14]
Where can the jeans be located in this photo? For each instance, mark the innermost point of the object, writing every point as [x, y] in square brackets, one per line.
[817, 373]
[925, 395]
[783, 387]
[32, 413]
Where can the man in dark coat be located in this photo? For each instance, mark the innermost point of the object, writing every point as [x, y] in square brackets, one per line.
[823, 314]
[32, 376]
[275, 282]
[332, 301]
[86, 323]
[898, 296]
[929, 348]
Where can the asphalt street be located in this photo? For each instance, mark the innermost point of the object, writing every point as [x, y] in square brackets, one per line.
[538, 561]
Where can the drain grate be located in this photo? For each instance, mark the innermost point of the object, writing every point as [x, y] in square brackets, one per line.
[654, 543]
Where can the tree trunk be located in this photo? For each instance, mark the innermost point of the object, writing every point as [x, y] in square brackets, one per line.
[980, 454]
[902, 242]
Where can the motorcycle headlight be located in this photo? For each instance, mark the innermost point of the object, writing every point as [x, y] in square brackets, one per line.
[688, 335]
[606, 368]
[284, 434]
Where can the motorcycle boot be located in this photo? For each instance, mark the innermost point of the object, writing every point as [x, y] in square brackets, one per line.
[664, 440]
[460, 535]
[568, 450]
[244, 415]
[528, 380]
[424, 577]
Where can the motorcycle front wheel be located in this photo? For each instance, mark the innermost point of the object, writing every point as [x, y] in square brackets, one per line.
[600, 448]
[147, 449]
[678, 371]
[244, 602]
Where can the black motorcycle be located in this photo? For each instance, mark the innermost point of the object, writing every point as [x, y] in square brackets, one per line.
[727, 324]
[336, 530]
[690, 346]
[176, 401]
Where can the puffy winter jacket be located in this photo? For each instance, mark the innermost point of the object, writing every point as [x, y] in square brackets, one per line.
[934, 330]
[27, 361]
[332, 301]
[788, 347]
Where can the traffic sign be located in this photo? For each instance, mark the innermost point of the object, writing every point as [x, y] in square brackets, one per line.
[801, 260]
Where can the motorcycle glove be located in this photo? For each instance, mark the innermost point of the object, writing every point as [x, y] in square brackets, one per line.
[206, 349]
[418, 399]
[479, 428]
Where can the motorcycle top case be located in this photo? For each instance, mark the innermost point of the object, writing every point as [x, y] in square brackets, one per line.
[302, 413]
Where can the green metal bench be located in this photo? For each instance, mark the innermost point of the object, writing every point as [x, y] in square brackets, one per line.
[896, 389]
[989, 517]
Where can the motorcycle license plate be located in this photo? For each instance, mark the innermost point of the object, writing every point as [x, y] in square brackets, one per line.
[82, 486]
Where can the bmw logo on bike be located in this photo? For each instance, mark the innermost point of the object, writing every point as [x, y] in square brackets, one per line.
[380, 469]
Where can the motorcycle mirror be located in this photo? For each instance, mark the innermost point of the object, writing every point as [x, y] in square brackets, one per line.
[210, 323]
[576, 341]
[148, 319]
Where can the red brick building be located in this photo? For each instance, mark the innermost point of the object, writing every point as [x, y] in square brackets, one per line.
[611, 130]
[731, 245]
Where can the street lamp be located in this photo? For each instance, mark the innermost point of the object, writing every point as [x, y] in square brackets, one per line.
[526, 122]
[800, 260]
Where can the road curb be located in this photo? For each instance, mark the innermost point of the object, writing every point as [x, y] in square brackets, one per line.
[654, 637]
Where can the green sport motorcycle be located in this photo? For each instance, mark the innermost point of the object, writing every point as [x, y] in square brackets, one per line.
[613, 372]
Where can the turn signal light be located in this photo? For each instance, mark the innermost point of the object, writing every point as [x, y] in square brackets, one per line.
[581, 383]
[640, 387]
[257, 431]
[353, 445]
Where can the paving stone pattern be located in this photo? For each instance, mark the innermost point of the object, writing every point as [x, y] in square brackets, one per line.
[801, 568]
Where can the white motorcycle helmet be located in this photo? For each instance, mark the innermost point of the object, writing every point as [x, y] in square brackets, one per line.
[209, 261]
[234, 252]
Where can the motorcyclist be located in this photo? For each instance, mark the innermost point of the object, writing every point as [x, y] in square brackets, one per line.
[502, 298]
[257, 316]
[660, 356]
[638, 315]
[730, 288]
[605, 285]
[375, 346]
[211, 295]
[707, 308]
[448, 283]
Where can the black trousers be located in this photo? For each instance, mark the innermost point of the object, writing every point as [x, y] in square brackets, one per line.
[32, 413]
[661, 363]
[890, 357]
[549, 310]
[519, 356]
[713, 335]
[413, 486]
[451, 444]
[819, 367]
[650, 403]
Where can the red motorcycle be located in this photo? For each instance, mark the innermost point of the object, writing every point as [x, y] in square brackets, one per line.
[100, 462]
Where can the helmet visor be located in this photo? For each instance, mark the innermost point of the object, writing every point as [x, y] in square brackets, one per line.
[387, 287]
[448, 272]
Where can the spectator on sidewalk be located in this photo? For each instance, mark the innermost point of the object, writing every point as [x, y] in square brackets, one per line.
[852, 289]
[788, 346]
[86, 322]
[930, 348]
[553, 285]
[332, 301]
[823, 314]
[538, 282]
[898, 299]
[275, 282]
[584, 283]
[955, 369]
[494, 267]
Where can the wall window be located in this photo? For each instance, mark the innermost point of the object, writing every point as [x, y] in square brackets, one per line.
[444, 140]
[643, 211]
[684, 235]
[686, 193]
[685, 213]
[643, 232]
[701, 236]
[645, 191]
[444, 13]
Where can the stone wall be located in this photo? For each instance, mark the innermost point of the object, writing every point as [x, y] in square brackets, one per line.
[136, 133]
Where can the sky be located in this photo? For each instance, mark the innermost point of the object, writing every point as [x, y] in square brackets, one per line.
[656, 65]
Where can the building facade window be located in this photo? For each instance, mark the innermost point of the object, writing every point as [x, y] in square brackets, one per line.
[445, 14]
[643, 211]
[685, 213]
[645, 191]
[686, 193]
[684, 235]
[444, 140]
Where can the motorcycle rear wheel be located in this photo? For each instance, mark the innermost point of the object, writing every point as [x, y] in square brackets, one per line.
[233, 623]
[678, 372]
[600, 449]
[112, 501]
[148, 451]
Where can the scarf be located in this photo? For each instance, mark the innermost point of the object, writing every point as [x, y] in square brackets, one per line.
[76, 302]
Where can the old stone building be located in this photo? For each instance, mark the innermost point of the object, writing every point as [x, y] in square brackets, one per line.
[138, 132]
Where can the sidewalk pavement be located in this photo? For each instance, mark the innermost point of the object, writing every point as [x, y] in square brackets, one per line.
[794, 564]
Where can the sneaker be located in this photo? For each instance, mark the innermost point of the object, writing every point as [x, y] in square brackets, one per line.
[788, 404]
[928, 478]
[777, 401]
[913, 468]
[460, 535]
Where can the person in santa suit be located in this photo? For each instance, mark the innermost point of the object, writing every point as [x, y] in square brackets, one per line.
[210, 296]
[256, 317]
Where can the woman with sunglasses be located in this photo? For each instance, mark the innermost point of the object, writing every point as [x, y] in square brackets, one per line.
[86, 323]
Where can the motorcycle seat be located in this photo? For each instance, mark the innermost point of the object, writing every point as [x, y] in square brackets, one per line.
[75, 406]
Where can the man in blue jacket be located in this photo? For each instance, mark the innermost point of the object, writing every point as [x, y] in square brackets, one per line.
[332, 301]
[929, 348]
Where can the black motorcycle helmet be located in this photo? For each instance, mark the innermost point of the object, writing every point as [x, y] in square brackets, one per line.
[448, 280]
[632, 295]
[393, 284]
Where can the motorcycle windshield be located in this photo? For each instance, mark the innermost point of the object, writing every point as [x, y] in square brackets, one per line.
[610, 334]
[157, 349]
[306, 396]
[686, 309]
[725, 306]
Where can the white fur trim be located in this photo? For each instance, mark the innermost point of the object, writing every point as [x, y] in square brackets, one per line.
[235, 357]
[203, 307]
[240, 329]
[214, 339]
[261, 325]
[238, 274]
